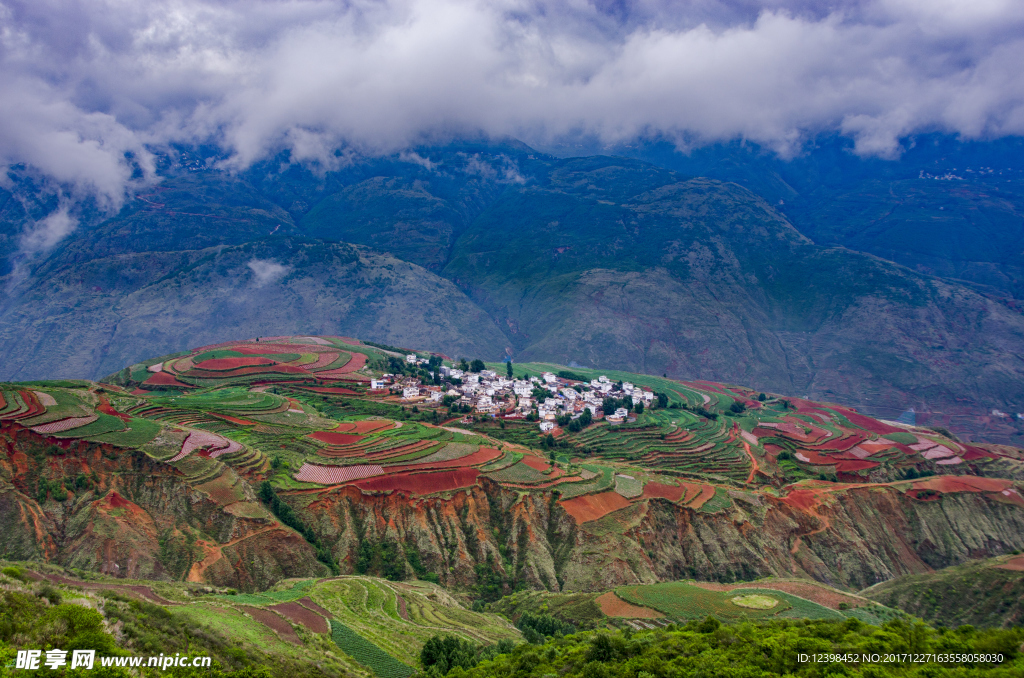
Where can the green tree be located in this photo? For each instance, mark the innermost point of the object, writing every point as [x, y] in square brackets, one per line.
[477, 365]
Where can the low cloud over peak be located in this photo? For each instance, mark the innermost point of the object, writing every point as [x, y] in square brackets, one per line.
[87, 87]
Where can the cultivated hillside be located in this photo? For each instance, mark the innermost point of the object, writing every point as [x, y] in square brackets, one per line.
[248, 462]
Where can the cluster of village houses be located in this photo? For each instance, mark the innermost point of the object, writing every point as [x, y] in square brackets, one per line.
[487, 392]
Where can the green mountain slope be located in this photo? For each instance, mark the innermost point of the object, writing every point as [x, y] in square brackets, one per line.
[982, 593]
[96, 316]
[700, 278]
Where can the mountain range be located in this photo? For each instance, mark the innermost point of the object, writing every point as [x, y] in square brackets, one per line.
[824, 276]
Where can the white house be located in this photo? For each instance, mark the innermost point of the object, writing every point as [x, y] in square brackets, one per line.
[483, 401]
[622, 412]
[546, 426]
[411, 358]
[627, 387]
[570, 393]
[603, 379]
[595, 383]
[488, 374]
[410, 392]
[605, 387]
[522, 388]
[549, 378]
[378, 384]
[455, 374]
[525, 402]
[472, 379]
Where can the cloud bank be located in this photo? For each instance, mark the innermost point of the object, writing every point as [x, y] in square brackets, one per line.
[266, 271]
[89, 87]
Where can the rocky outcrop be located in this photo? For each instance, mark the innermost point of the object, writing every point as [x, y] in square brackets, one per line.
[122, 513]
[856, 538]
[132, 516]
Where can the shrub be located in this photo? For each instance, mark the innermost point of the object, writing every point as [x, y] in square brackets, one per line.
[14, 573]
[446, 652]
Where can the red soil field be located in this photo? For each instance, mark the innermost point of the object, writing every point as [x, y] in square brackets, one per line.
[593, 506]
[300, 615]
[358, 362]
[804, 500]
[842, 462]
[143, 592]
[106, 408]
[35, 408]
[1013, 564]
[234, 363]
[706, 493]
[963, 484]
[306, 602]
[323, 360]
[3, 403]
[271, 349]
[394, 452]
[271, 620]
[335, 475]
[481, 456]
[233, 420]
[367, 426]
[421, 483]
[670, 492]
[875, 446]
[973, 453]
[536, 463]
[867, 423]
[333, 438]
[403, 610]
[845, 443]
[243, 371]
[613, 606]
[164, 379]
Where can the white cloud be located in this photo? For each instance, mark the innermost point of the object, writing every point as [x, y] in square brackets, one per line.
[84, 83]
[43, 235]
[267, 271]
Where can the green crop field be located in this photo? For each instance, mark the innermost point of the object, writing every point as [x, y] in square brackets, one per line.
[366, 653]
[373, 609]
[681, 600]
[104, 424]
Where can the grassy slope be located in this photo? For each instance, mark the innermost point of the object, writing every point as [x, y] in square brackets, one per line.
[212, 621]
[976, 593]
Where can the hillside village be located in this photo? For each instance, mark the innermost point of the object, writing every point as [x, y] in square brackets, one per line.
[551, 400]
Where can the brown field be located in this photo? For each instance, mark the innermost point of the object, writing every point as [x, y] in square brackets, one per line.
[306, 602]
[593, 506]
[301, 615]
[270, 620]
[1013, 564]
[613, 606]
